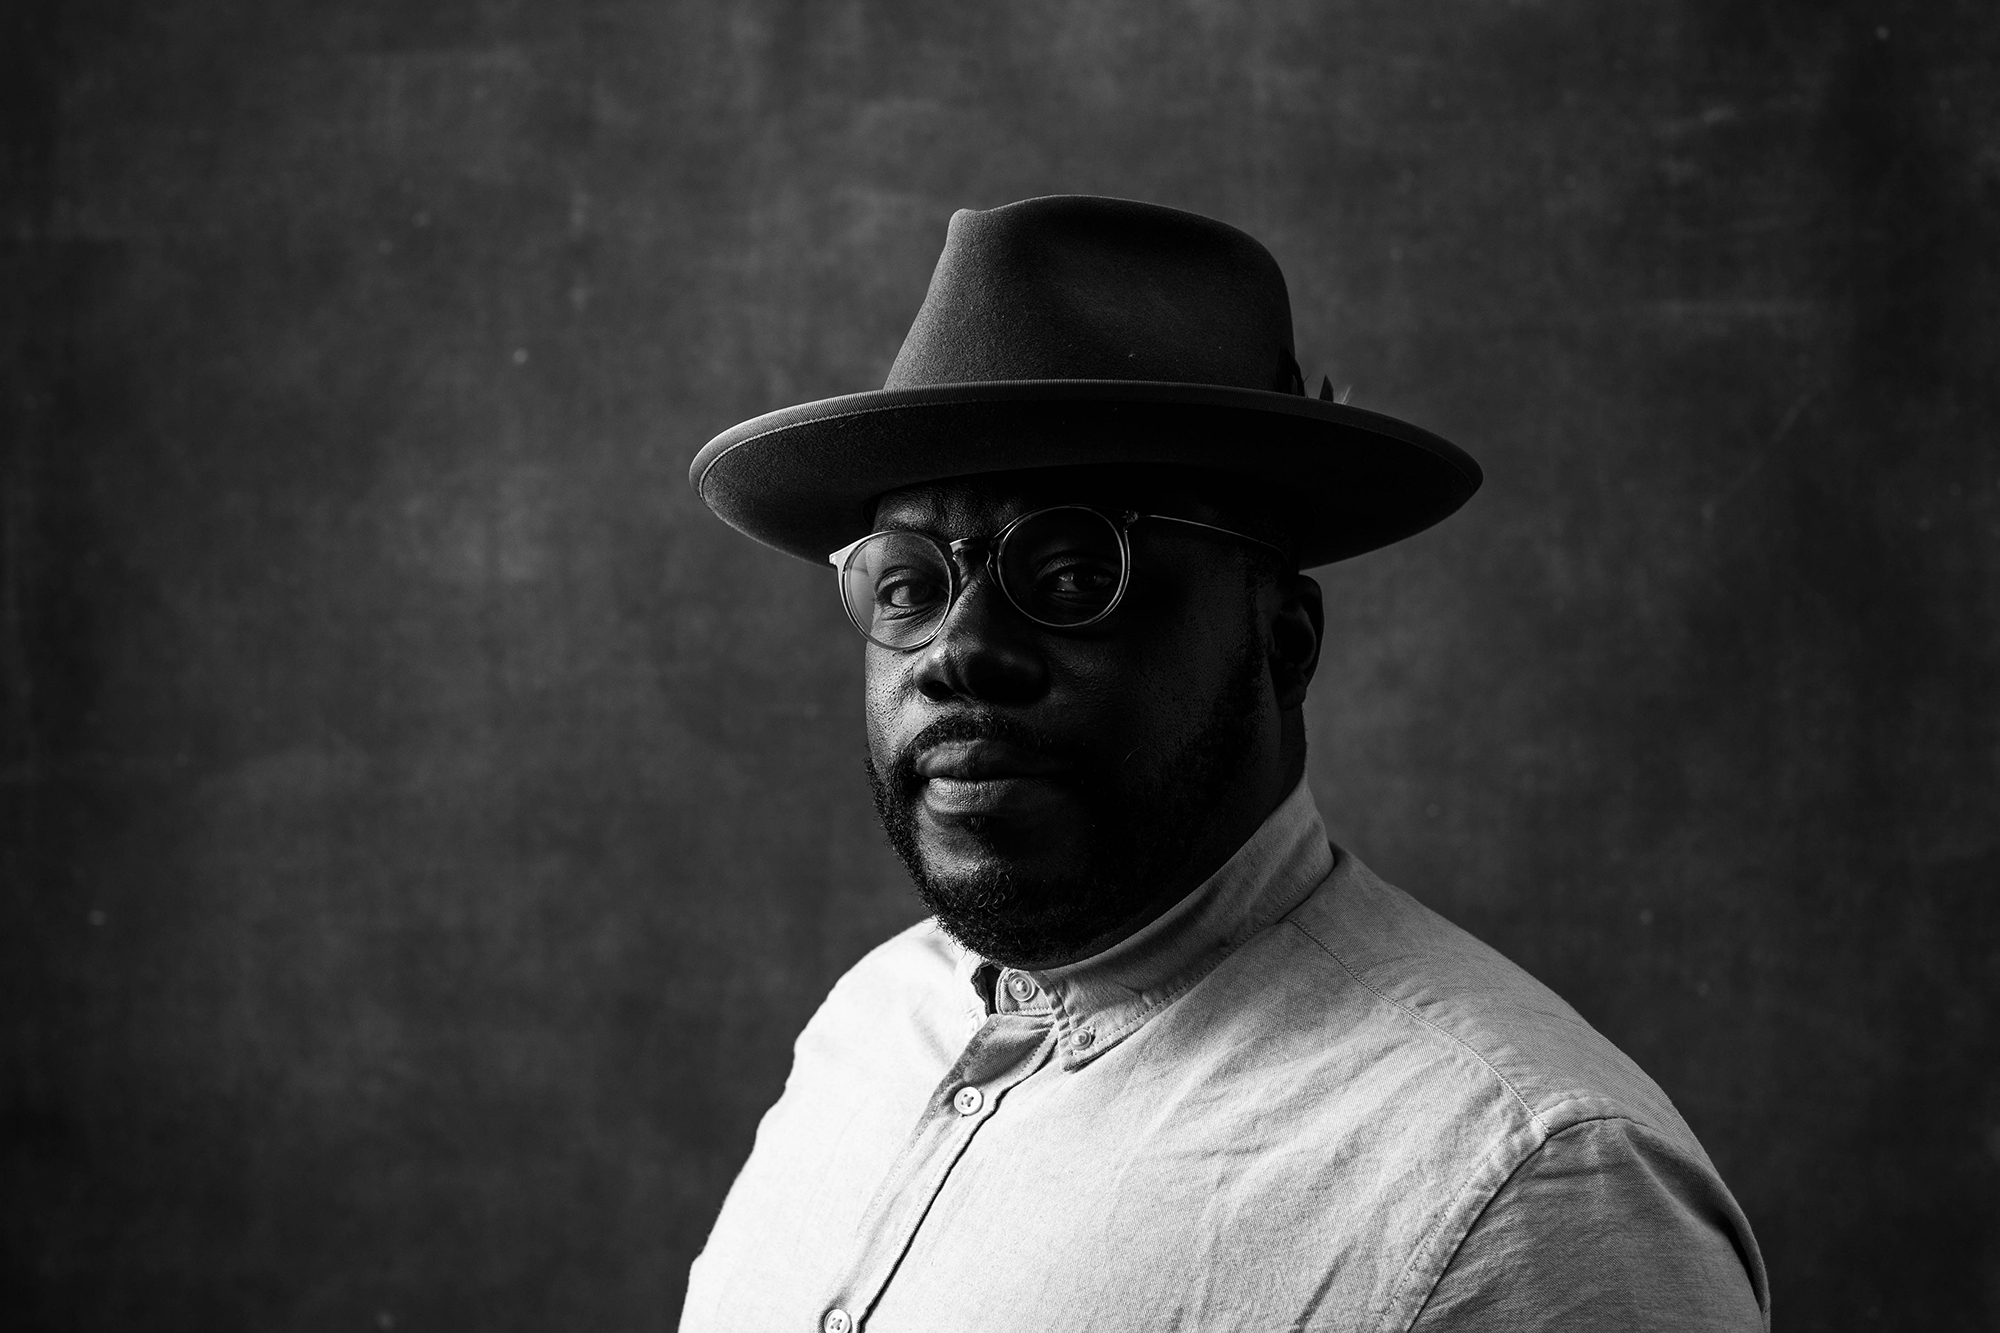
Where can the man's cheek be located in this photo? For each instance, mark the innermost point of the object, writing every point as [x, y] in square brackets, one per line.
[881, 706]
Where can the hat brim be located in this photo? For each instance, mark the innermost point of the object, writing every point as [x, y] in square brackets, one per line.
[805, 479]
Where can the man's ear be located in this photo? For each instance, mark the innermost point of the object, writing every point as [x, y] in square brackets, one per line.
[1297, 624]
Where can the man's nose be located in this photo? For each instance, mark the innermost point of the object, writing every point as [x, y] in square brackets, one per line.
[985, 650]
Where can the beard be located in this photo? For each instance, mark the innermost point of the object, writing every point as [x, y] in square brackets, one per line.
[1140, 828]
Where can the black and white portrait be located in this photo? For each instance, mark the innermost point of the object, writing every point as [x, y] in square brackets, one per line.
[860, 666]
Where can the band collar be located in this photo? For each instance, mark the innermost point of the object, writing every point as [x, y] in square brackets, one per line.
[1101, 1000]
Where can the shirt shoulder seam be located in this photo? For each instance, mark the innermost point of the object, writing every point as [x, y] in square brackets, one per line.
[1445, 1213]
[1527, 1159]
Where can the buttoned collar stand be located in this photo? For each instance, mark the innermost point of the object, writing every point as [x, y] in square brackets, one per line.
[1098, 1002]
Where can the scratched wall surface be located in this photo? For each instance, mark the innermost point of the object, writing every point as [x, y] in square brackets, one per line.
[426, 828]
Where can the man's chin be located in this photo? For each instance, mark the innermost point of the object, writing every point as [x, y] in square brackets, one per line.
[1019, 872]
[1002, 918]
[978, 873]
[1042, 843]
[1026, 910]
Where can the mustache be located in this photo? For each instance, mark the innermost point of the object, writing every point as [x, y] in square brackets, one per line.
[979, 726]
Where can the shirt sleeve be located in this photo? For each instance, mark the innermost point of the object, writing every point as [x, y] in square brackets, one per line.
[1607, 1226]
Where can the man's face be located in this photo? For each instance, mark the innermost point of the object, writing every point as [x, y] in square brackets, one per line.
[1047, 787]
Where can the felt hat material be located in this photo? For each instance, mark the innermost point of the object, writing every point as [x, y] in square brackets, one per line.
[1079, 330]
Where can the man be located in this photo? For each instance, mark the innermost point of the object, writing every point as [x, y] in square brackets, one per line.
[1162, 1058]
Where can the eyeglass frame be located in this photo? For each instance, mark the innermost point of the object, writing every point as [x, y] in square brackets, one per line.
[1121, 522]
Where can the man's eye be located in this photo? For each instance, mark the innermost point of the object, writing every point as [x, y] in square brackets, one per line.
[1077, 580]
[907, 592]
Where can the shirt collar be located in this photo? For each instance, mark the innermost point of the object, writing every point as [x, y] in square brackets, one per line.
[1101, 1000]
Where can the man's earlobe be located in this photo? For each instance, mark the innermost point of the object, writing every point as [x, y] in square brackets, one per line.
[1298, 623]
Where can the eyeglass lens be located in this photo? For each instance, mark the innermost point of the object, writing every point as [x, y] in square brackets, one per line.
[1060, 567]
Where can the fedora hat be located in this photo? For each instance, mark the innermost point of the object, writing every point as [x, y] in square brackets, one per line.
[1079, 330]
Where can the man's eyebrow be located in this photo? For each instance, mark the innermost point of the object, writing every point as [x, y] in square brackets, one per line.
[912, 513]
[925, 521]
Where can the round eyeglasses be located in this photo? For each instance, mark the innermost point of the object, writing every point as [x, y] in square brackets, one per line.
[1064, 568]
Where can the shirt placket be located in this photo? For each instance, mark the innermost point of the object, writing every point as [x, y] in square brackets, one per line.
[1006, 1049]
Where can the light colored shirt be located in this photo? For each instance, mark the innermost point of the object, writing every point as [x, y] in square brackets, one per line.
[1297, 1101]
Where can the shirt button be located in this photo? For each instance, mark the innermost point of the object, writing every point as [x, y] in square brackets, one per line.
[837, 1321]
[967, 1101]
[1083, 1037]
[1020, 988]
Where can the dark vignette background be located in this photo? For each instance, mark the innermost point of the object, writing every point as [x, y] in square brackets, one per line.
[425, 828]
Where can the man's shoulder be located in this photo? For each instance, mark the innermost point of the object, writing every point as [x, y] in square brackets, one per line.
[1433, 984]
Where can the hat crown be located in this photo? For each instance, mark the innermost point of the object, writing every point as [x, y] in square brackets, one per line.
[1075, 287]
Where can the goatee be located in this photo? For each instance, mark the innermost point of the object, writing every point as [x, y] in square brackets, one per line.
[1141, 823]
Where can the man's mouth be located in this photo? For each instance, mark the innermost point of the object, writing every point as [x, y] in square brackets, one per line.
[985, 760]
[987, 777]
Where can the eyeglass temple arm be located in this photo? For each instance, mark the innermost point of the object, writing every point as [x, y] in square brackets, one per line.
[1210, 527]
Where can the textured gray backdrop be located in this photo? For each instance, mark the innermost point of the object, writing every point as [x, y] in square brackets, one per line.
[425, 828]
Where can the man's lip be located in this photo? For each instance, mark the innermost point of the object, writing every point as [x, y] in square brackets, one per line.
[985, 761]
